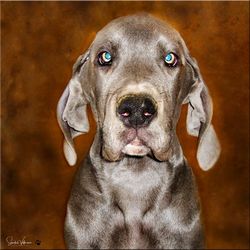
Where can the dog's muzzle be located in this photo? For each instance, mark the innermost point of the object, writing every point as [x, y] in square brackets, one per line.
[136, 111]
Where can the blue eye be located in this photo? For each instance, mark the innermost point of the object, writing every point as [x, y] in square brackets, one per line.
[104, 58]
[171, 59]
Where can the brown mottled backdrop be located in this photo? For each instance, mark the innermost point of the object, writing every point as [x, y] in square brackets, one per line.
[41, 41]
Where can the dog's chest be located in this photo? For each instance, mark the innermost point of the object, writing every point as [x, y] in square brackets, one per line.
[135, 191]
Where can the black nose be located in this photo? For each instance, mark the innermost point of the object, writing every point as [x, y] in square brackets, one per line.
[136, 110]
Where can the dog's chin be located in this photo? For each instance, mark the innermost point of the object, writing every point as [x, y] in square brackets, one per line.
[133, 148]
[136, 148]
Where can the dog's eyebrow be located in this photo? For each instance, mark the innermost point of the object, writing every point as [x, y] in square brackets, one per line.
[166, 47]
[108, 45]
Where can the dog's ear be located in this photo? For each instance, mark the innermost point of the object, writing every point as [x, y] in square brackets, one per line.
[199, 116]
[71, 110]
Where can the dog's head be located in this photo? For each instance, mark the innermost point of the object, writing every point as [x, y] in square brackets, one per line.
[136, 75]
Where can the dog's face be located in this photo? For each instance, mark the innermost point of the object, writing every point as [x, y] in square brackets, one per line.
[136, 75]
[138, 93]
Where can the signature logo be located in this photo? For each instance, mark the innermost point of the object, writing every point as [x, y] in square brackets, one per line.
[17, 242]
[38, 242]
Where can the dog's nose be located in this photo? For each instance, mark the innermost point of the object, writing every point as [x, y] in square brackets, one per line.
[136, 110]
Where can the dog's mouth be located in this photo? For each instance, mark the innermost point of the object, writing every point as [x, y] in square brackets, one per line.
[132, 142]
[136, 145]
[136, 148]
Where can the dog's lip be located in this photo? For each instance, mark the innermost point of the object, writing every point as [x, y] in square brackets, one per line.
[136, 147]
[136, 142]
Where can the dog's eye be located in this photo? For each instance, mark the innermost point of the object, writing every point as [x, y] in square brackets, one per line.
[171, 59]
[104, 58]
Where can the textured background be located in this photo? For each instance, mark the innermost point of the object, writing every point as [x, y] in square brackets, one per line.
[40, 42]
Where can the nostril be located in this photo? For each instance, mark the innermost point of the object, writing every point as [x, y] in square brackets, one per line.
[136, 110]
[147, 114]
[124, 110]
[125, 114]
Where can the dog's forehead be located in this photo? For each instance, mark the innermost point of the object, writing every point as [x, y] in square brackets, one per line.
[137, 28]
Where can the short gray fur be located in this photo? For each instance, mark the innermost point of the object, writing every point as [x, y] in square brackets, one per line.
[120, 200]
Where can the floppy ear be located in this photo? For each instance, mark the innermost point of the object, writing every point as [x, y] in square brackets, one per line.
[71, 110]
[200, 110]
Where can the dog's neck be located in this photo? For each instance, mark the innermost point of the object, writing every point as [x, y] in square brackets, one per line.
[133, 183]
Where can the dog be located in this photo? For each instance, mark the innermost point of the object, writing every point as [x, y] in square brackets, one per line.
[135, 189]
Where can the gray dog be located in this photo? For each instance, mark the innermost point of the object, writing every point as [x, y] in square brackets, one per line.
[135, 189]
